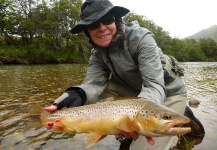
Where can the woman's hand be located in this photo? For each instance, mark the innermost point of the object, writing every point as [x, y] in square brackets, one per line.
[134, 136]
[51, 108]
[74, 96]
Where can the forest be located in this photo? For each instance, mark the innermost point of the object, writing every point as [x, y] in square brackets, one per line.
[38, 31]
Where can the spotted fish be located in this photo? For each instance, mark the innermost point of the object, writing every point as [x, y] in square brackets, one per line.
[112, 117]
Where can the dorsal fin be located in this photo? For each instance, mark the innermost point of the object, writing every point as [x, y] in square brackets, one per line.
[107, 99]
[117, 98]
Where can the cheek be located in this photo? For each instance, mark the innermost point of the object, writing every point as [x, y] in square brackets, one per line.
[113, 29]
[92, 33]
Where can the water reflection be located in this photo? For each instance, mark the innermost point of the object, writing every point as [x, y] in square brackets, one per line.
[22, 85]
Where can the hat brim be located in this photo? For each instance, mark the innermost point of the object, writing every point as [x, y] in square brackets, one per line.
[117, 11]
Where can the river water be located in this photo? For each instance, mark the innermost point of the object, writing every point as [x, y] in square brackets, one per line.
[22, 85]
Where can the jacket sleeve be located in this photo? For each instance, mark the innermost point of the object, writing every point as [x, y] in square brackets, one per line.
[96, 78]
[150, 66]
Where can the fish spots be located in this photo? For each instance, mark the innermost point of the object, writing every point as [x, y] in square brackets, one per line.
[144, 112]
[134, 114]
[107, 111]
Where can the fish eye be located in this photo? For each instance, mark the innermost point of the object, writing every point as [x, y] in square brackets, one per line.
[166, 116]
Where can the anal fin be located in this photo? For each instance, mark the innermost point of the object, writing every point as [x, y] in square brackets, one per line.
[93, 138]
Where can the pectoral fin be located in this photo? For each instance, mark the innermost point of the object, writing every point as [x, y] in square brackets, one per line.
[92, 138]
[125, 124]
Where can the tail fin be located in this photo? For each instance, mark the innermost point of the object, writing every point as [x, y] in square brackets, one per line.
[36, 116]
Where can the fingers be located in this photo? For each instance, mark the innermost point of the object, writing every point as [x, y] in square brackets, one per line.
[117, 136]
[150, 140]
[49, 125]
[133, 135]
[51, 108]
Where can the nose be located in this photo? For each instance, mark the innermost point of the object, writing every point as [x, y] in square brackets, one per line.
[102, 26]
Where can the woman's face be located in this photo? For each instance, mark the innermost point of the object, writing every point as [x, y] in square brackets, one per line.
[103, 34]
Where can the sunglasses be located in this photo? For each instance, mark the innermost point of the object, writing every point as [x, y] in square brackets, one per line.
[107, 20]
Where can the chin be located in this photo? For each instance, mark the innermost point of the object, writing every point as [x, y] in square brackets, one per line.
[103, 44]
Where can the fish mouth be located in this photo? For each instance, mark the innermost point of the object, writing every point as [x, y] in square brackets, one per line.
[179, 127]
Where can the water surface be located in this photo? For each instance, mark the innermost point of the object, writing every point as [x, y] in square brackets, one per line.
[22, 85]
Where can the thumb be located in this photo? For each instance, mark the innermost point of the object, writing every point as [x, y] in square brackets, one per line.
[150, 140]
[51, 108]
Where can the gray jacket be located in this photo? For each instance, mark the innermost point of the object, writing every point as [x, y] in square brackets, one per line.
[137, 62]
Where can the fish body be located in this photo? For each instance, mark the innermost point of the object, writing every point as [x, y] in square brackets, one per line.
[112, 117]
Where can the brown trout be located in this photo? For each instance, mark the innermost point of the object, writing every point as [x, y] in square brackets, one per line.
[112, 117]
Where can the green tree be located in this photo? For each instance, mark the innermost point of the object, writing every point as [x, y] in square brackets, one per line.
[195, 52]
[7, 21]
[41, 21]
[209, 47]
[25, 24]
[40, 27]
[59, 20]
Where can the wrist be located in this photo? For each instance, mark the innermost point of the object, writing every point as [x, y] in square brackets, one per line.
[72, 97]
[78, 90]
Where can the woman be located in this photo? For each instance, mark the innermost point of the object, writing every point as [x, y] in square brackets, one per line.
[125, 61]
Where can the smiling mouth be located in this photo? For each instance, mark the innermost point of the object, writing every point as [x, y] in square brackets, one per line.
[104, 36]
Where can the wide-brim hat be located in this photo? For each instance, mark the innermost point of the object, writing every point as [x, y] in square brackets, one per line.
[93, 10]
